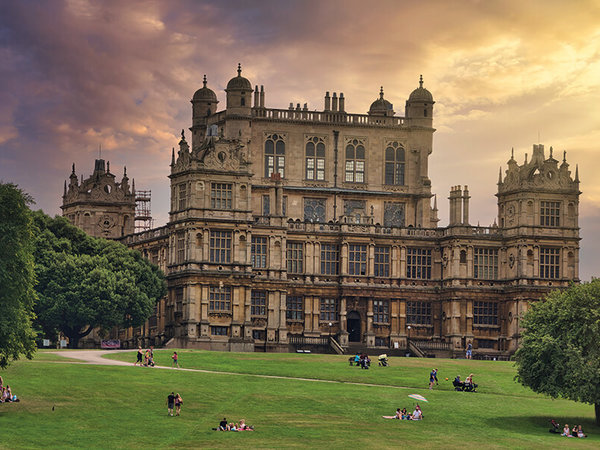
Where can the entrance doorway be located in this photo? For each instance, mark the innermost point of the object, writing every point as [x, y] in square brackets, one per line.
[353, 326]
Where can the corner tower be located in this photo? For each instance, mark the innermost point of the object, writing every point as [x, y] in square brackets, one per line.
[204, 104]
[100, 205]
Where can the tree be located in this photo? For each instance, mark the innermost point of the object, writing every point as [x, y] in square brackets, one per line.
[560, 354]
[17, 275]
[86, 282]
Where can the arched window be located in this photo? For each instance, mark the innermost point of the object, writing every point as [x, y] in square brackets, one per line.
[394, 164]
[315, 159]
[274, 155]
[355, 162]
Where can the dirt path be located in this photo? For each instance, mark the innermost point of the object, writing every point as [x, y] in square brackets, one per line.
[95, 357]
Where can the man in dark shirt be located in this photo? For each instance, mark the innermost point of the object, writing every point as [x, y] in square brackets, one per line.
[223, 424]
[170, 402]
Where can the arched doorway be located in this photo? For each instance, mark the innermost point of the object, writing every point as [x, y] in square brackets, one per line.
[353, 326]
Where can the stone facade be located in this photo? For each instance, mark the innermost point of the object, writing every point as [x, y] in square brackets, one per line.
[100, 205]
[288, 226]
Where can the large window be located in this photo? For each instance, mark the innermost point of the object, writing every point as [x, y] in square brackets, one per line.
[418, 263]
[485, 313]
[180, 247]
[357, 259]
[258, 303]
[295, 257]
[315, 159]
[314, 209]
[259, 252]
[219, 298]
[266, 205]
[330, 259]
[355, 161]
[382, 261]
[549, 262]
[294, 308]
[220, 195]
[329, 310]
[274, 155]
[182, 196]
[550, 214]
[485, 263]
[219, 331]
[418, 313]
[394, 164]
[381, 311]
[220, 246]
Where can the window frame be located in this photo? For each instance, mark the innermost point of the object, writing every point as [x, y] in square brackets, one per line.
[550, 263]
[221, 196]
[328, 310]
[394, 173]
[418, 265]
[357, 259]
[382, 268]
[219, 299]
[219, 247]
[419, 313]
[330, 259]
[259, 259]
[485, 313]
[381, 311]
[258, 303]
[294, 308]
[294, 252]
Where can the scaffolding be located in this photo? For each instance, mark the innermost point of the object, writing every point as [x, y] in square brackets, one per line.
[143, 217]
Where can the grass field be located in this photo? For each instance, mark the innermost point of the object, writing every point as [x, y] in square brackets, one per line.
[123, 407]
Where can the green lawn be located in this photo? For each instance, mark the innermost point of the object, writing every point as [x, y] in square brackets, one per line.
[123, 407]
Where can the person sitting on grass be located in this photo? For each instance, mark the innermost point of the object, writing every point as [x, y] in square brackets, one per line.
[244, 427]
[357, 359]
[406, 415]
[566, 431]
[580, 432]
[574, 431]
[416, 415]
[223, 426]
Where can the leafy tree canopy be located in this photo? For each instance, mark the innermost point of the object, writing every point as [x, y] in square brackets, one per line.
[17, 276]
[560, 352]
[86, 282]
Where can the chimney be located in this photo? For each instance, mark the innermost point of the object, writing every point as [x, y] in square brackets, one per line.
[465, 199]
[262, 96]
[342, 102]
[256, 96]
[291, 106]
[334, 102]
[455, 205]
[327, 102]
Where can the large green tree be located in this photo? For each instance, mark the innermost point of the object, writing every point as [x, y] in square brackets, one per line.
[560, 352]
[17, 276]
[86, 282]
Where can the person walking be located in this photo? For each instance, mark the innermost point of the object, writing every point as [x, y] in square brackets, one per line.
[432, 378]
[140, 355]
[178, 403]
[175, 358]
[469, 350]
[170, 403]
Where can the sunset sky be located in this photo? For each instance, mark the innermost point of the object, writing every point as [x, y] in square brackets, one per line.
[77, 74]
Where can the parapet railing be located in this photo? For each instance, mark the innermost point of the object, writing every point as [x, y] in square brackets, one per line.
[328, 117]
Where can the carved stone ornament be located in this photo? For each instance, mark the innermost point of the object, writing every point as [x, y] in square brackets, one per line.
[511, 260]
[106, 222]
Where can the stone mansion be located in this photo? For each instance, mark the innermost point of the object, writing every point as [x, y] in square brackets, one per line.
[296, 229]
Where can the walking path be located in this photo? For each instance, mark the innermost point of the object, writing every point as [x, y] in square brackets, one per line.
[95, 357]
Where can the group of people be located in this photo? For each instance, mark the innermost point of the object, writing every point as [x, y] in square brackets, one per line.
[6, 395]
[362, 360]
[576, 431]
[174, 401]
[226, 426]
[403, 414]
[468, 385]
[146, 358]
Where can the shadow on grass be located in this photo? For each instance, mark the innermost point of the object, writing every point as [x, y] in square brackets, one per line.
[526, 423]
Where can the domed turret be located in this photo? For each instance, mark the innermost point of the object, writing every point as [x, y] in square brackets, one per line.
[420, 94]
[239, 95]
[420, 104]
[381, 107]
[204, 105]
[239, 82]
[205, 94]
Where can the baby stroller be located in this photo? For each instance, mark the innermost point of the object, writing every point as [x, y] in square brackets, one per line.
[383, 360]
[470, 387]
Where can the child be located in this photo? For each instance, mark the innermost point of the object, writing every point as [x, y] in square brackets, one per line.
[175, 360]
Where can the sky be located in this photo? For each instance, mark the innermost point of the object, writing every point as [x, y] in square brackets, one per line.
[78, 74]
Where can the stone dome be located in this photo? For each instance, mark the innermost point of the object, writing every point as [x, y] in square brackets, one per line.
[239, 82]
[205, 94]
[420, 94]
[381, 106]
